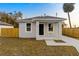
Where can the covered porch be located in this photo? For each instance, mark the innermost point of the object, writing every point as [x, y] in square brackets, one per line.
[42, 26]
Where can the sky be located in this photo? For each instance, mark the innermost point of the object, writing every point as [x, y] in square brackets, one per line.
[38, 9]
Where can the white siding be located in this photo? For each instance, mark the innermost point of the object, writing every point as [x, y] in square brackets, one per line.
[24, 34]
[57, 31]
[50, 35]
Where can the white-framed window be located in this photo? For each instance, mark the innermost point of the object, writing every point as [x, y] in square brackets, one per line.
[50, 27]
[28, 27]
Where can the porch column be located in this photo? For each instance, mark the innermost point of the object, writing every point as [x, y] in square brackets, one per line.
[60, 30]
[37, 30]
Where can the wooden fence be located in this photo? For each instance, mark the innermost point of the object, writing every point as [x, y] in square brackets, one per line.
[74, 32]
[9, 32]
[14, 32]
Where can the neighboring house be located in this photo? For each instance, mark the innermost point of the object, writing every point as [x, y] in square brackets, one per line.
[5, 25]
[41, 27]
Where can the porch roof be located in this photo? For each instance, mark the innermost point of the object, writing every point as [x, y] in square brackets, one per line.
[40, 18]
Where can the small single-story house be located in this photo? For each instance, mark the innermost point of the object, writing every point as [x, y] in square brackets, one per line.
[41, 27]
[5, 25]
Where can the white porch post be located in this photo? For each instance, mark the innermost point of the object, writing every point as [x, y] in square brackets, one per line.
[37, 30]
[60, 30]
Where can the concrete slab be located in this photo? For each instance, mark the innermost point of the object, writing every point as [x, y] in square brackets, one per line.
[53, 43]
[68, 42]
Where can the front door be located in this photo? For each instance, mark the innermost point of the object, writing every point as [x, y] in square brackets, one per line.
[41, 29]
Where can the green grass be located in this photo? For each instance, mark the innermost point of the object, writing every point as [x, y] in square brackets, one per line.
[59, 41]
[32, 47]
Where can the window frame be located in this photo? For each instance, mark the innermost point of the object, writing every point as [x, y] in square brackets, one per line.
[50, 27]
[28, 27]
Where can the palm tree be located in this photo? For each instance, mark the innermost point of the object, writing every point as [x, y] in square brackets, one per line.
[68, 7]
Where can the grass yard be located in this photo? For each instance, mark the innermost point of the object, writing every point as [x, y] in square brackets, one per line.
[32, 47]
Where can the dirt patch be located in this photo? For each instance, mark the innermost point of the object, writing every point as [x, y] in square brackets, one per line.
[59, 41]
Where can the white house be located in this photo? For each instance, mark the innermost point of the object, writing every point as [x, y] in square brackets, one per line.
[41, 27]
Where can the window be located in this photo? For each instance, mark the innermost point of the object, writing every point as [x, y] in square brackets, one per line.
[50, 27]
[28, 26]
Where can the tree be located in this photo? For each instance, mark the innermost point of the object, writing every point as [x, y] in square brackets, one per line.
[11, 17]
[18, 15]
[4, 16]
[68, 7]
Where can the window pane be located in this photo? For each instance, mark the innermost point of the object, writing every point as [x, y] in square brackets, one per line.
[28, 27]
[28, 24]
[50, 27]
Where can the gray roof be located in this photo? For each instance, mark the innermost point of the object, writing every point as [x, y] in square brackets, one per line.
[41, 17]
[48, 17]
[3, 23]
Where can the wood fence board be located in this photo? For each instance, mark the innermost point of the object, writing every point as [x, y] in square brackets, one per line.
[9, 32]
[73, 32]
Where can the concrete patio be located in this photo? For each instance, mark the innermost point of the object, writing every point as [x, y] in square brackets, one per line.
[68, 42]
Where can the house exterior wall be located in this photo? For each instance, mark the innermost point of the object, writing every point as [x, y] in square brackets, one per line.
[57, 31]
[27, 34]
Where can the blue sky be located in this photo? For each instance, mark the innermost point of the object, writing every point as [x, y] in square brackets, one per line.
[31, 9]
[38, 9]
